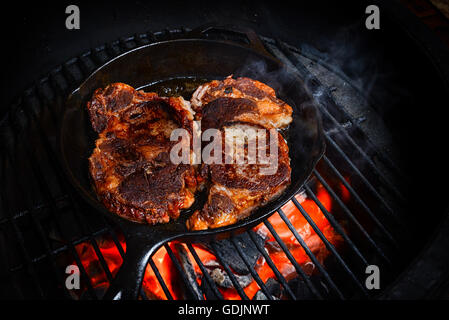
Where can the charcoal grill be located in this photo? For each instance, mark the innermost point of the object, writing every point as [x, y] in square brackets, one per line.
[43, 219]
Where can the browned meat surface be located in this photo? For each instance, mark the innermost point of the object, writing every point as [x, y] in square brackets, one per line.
[235, 190]
[120, 104]
[256, 102]
[131, 168]
[130, 165]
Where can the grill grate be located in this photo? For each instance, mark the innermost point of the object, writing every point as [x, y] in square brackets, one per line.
[43, 220]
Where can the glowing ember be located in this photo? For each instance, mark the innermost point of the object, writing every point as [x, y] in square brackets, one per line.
[92, 264]
[163, 262]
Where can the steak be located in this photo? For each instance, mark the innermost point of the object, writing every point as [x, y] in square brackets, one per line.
[241, 99]
[119, 104]
[130, 165]
[235, 190]
[135, 178]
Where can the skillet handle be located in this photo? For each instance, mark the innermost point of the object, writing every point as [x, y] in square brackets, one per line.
[127, 282]
[254, 41]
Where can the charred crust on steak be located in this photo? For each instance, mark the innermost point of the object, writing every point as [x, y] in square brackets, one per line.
[130, 166]
[224, 110]
[246, 86]
[120, 102]
[235, 190]
[266, 109]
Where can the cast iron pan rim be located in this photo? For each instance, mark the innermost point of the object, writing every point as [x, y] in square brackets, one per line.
[228, 43]
[246, 223]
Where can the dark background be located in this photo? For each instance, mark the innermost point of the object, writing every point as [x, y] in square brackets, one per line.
[37, 39]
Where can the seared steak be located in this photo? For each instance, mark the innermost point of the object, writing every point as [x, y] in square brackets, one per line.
[235, 190]
[255, 102]
[130, 165]
[119, 103]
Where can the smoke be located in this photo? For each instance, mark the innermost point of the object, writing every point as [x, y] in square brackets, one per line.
[259, 70]
[353, 73]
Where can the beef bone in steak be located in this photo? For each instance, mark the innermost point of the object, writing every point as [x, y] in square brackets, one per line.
[130, 165]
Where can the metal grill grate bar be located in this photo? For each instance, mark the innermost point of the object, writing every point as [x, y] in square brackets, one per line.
[272, 266]
[351, 216]
[59, 250]
[298, 268]
[364, 179]
[30, 266]
[50, 254]
[310, 254]
[47, 195]
[361, 202]
[205, 273]
[329, 245]
[256, 277]
[160, 279]
[231, 275]
[334, 223]
[191, 284]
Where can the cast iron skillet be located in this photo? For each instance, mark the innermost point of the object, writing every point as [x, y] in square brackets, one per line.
[184, 59]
